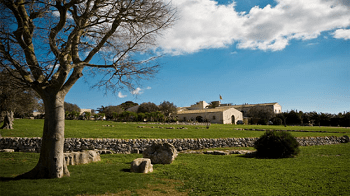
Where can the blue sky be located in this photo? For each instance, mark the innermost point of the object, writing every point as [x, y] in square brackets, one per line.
[290, 52]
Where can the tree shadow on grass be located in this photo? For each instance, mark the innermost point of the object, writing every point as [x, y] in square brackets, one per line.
[251, 156]
[247, 156]
[7, 179]
[126, 170]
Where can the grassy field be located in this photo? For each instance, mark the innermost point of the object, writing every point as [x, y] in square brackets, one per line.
[317, 170]
[96, 129]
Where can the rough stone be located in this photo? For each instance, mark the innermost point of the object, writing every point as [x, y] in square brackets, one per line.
[220, 153]
[105, 152]
[208, 152]
[345, 139]
[160, 153]
[77, 158]
[141, 165]
[7, 150]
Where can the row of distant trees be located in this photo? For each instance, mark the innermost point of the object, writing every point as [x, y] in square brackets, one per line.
[294, 117]
[133, 112]
[126, 112]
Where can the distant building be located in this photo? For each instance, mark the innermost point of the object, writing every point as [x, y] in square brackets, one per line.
[275, 107]
[84, 110]
[213, 115]
[201, 113]
[223, 114]
[36, 114]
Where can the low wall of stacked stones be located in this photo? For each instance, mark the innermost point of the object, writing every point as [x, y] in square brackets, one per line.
[127, 146]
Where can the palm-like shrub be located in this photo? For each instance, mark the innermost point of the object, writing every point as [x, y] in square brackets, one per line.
[276, 144]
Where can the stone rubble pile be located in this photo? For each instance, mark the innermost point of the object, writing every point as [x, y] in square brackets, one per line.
[241, 129]
[228, 152]
[127, 146]
[85, 157]
[221, 152]
[153, 127]
[175, 123]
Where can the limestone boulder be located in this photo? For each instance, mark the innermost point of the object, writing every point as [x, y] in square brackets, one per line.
[77, 158]
[160, 153]
[7, 150]
[141, 165]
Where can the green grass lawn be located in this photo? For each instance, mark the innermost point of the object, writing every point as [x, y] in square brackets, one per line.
[317, 170]
[95, 129]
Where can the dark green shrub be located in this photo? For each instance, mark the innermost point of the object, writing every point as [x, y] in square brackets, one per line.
[277, 121]
[262, 122]
[276, 144]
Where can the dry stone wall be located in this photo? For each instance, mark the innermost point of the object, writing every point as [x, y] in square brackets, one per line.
[127, 146]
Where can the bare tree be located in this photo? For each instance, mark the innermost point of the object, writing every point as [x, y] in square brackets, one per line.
[52, 43]
[15, 100]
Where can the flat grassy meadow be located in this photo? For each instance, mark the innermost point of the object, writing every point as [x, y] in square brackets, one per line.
[99, 129]
[317, 170]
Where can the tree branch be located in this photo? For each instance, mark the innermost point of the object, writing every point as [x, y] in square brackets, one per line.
[24, 34]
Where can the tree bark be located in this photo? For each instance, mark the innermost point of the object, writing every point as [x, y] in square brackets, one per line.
[51, 162]
[8, 121]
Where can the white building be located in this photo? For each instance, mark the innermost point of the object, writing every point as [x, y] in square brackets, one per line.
[199, 112]
[223, 114]
[84, 110]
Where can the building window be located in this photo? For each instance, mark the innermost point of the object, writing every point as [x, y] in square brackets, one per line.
[185, 119]
[214, 117]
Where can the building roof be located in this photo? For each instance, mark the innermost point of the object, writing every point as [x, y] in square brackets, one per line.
[85, 110]
[218, 109]
[259, 104]
[248, 105]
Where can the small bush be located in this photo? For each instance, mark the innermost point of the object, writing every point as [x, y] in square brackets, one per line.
[277, 121]
[276, 144]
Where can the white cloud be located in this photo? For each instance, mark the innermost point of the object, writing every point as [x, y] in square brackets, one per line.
[313, 44]
[120, 95]
[137, 91]
[342, 34]
[204, 24]
[56, 13]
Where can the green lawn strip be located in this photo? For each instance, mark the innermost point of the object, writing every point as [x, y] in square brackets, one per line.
[96, 129]
[111, 175]
[318, 170]
[296, 128]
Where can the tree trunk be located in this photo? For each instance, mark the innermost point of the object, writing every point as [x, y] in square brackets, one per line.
[8, 121]
[51, 162]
